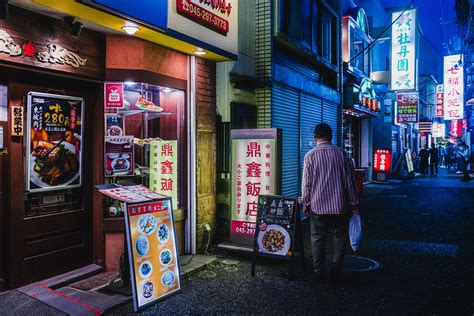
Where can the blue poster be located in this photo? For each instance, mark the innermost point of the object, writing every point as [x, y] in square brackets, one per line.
[152, 12]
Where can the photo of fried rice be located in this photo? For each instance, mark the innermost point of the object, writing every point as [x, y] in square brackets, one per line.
[273, 240]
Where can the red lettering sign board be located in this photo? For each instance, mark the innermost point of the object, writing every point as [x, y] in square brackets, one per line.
[456, 128]
[195, 10]
[113, 92]
[382, 160]
[439, 101]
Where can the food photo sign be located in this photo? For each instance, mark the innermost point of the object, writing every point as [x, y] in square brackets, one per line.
[54, 151]
[119, 156]
[151, 242]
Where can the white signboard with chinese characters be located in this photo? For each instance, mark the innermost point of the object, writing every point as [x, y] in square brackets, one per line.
[439, 130]
[453, 88]
[164, 169]
[255, 171]
[403, 67]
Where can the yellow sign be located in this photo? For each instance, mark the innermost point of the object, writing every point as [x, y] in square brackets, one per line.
[17, 120]
[164, 169]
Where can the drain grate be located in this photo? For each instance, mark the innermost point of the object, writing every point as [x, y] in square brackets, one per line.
[95, 281]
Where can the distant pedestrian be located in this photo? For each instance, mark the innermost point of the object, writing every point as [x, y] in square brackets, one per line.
[424, 156]
[329, 195]
[466, 156]
[459, 157]
[450, 157]
[441, 153]
[434, 160]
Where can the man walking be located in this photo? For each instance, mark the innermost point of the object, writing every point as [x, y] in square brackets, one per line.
[466, 156]
[434, 160]
[424, 156]
[329, 195]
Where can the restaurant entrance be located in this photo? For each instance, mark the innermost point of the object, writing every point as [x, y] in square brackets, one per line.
[50, 231]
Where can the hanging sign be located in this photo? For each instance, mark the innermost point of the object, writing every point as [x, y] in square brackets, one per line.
[407, 107]
[113, 92]
[439, 130]
[164, 168]
[119, 156]
[403, 61]
[439, 100]
[151, 242]
[382, 160]
[254, 172]
[17, 120]
[54, 133]
[453, 98]
[456, 128]
[275, 225]
[425, 127]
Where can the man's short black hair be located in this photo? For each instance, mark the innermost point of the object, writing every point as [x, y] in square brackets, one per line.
[323, 130]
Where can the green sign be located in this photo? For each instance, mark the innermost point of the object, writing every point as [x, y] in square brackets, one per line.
[164, 169]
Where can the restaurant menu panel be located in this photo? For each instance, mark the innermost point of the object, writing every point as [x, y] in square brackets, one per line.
[119, 158]
[153, 251]
[275, 225]
[54, 148]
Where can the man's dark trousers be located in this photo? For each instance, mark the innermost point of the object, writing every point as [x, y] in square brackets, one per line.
[320, 225]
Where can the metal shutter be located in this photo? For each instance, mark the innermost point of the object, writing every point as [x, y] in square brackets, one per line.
[310, 116]
[285, 115]
[330, 117]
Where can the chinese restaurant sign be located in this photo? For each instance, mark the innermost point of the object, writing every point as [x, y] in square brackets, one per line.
[456, 128]
[17, 120]
[439, 101]
[113, 92]
[275, 225]
[403, 67]
[210, 13]
[151, 242]
[439, 129]
[407, 107]
[54, 147]
[254, 167]
[382, 160]
[453, 88]
[164, 168]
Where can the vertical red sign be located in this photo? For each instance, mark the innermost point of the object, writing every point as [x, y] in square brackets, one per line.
[113, 92]
[382, 160]
[439, 101]
[456, 128]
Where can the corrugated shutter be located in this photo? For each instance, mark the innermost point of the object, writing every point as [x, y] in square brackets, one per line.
[310, 116]
[285, 115]
[330, 117]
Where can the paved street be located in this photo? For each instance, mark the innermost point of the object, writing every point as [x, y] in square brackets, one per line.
[419, 230]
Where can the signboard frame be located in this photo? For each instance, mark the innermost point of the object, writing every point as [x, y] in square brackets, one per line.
[449, 86]
[128, 233]
[247, 134]
[30, 97]
[406, 95]
[376, 166]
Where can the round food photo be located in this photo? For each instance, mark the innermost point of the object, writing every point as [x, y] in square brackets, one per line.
[145, 269]
[147, 289]
[274, 240]
[166, 256]
[146, 224]
[142, 245]
[163, 233]
[167, 278]
[53, 164]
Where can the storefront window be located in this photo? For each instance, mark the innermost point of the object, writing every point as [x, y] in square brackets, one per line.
[145, 142]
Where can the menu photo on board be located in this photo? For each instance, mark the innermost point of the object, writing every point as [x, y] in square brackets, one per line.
[275, 225]
[119, 156]
[54, 147]
[152, 251]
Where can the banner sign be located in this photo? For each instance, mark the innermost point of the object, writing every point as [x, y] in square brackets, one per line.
[439, 130]
[17, 120]
[54, 147]
[275, 225]
[456, 128]
[382, 160]
[113, 92]
[403, 65]
[407, 107]
[119, 156]
[439, 100]
[254, 172]
[453, 98]
[164, 168]
[151, 242]
[425, 127]
[212, 14]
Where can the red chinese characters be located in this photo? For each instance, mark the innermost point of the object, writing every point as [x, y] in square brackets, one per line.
[453, 99]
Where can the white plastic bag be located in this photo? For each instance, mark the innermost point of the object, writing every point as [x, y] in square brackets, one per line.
[355, 231]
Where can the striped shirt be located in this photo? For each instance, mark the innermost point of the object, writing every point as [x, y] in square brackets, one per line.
[328, 180]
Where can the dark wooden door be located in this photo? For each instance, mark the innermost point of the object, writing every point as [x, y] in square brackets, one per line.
[50, 232]
[3, 236]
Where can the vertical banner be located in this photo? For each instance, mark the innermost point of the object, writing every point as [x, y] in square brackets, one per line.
[382, 160]
[17, 120]
[164, 168]
[453, 98]
[407, 107]
[113, 92]
[456, 128]
[403, 61]
[439, 100]
[254, 173]
[54, 146]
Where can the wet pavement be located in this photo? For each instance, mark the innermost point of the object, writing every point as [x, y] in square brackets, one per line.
[420, 230]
